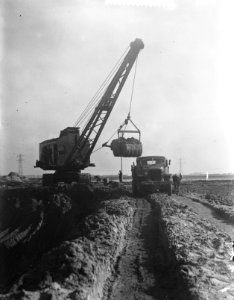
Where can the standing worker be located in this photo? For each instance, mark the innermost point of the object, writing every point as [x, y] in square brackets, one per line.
[120, 176]
[176, 181]
[232, 251]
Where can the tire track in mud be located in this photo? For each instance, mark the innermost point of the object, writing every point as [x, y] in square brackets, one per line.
[126, 282]
[145, 269]
[208, 212]
[12, 236]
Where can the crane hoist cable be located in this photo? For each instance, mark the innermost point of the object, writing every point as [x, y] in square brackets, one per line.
[133, 86]
[106, 82]
[97, 97]
[129, 113]
[93, 101]
[106, 142]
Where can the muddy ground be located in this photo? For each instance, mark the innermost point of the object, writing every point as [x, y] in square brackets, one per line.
[201, 249]
[218, 194]
[102, 243]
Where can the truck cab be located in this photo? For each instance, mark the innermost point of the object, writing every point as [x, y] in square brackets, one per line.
[151, 174]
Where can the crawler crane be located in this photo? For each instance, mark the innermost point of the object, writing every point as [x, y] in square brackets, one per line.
[70, 153]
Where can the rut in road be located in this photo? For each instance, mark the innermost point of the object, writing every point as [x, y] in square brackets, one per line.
[140, 271]
[208, 213]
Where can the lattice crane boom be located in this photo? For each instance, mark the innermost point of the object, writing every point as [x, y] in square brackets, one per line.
[90, 134]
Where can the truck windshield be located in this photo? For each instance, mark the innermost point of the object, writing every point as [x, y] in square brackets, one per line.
[154, 161]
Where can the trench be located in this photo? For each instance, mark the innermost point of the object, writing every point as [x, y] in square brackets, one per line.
[206, 211]
[173, 285]
[147, 267]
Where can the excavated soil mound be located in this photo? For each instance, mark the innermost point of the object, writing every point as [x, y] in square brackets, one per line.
[79, 267]
[203, 253]
[35, 219]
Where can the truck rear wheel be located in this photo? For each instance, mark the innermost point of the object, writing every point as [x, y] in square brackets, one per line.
[47, 179]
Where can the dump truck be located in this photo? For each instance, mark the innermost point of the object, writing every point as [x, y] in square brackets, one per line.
[150, 175]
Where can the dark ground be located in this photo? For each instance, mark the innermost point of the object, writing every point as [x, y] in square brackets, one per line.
[80, 243]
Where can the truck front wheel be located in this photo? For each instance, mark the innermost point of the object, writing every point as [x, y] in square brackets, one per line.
[47, 179]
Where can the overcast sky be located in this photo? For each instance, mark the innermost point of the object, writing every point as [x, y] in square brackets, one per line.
[56, 53]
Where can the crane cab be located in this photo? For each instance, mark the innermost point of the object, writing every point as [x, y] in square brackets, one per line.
[54, 152]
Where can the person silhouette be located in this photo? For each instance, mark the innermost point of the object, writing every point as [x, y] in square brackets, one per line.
[120, 176]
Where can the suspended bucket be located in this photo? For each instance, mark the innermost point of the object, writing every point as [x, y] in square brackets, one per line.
[126, 147]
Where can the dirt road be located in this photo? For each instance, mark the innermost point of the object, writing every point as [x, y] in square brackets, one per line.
[147, 269]
[142, 271]
[208, 213]
[134, 276]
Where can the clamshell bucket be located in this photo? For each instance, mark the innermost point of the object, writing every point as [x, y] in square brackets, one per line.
[126, 147]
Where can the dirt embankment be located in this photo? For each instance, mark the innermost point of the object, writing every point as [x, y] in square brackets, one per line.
[201, 252]
[79, 267]
[34, 220]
